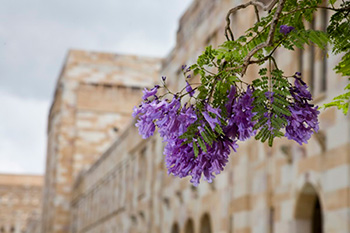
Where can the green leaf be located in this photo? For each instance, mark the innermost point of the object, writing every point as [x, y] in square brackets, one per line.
[332, 2]
[262, 72]
[195, 149]
[261, 133]
[202, 144]
[207, 138]
[210, 132]
[271, 140]
[218, 129]
[262, 121]
[280, 110]
[266, 136]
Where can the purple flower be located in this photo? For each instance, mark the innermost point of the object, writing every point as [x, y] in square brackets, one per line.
[179, 156]
[302, 122]
[146, 114]
[183, 67]
[213, 162]
[189, 89]
[160, 113]
[212, 121]
[231, 97]
[240, 124]
[299, 91]
[163, 78]
[181, 161]
[298, 73]
[148, 93]
[304, 116]
[173, 123]
[285, 29]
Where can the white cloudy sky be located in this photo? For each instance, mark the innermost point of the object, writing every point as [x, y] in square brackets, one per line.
[34, 38]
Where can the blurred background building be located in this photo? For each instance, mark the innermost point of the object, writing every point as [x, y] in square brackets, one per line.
[102, 177]
[20, 198]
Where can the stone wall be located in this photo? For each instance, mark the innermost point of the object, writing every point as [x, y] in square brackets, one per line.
[20, 201]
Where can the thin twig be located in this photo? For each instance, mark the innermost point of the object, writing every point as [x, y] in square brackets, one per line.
[314, 7]
[254, 3]
[269, 40]
[260, 60]
[274, 62]
[272, 25]
[257, 13]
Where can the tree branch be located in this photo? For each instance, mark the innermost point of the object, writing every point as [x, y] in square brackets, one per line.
[269, 40]
[254, 3]
[257, 13]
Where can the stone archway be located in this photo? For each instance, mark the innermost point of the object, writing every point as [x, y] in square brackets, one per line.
[205, 224]
[189, 226]
[175, 228]
[308, 211]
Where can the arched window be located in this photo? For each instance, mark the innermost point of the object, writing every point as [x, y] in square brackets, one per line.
[205, 224]
[175, 228]
[189, 226]
[134, 224]
[317, 217]
[308, 211]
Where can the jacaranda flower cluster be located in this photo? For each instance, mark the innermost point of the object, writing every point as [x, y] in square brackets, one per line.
[303, 120]
[199, 136]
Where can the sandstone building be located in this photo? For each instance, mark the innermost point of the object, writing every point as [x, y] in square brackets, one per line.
[20, 201]
[102, 177]
[93, 102]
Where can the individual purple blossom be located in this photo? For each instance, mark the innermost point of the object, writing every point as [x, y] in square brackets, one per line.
[231, 97]
[147, 113]
[302, 122]
[189, 89]
[285, 29]
[179, 156]
[213, 161]
[171, 123]
[181, 160]
[183, 67]
[304, 116]
[231, 128]
[150, 114]
[299, 91]
[212, 121]
[148, 93]
[240, 117]
[163, 78]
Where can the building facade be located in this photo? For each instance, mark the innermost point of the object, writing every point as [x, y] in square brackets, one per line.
[102, 177]
[20, 201]
[93, 101]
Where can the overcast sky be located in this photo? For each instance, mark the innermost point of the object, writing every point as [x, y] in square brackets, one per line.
[35, 36]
